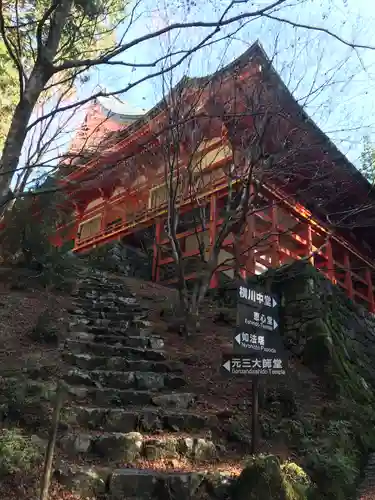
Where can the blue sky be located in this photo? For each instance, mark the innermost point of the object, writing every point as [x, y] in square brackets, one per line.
[335, 83]
[339, 81]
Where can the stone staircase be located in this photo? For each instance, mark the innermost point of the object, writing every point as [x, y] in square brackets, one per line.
[126, 407]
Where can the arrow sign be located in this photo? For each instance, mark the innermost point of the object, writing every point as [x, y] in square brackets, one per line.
[226, 365]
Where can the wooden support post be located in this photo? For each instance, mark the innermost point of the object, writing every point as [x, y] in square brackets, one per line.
[79, 218]
[103, 220]
[370, 290]
[348, 276]
[309, 249]
[156, 250]
[212, 233]
[255, 416]
[275, 246]
[330, 264]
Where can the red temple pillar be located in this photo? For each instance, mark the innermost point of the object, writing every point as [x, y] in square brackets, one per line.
[330, 263]
[370, 290]
[155, 258]
[80, 213]
[104, 218]
[309, 249]
[348, 276]
[214, 283]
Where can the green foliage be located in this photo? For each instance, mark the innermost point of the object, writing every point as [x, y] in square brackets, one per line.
[264, 477]
[368, 160]
[88, 31]
[17, 452]
[26, 241]
[9, 91]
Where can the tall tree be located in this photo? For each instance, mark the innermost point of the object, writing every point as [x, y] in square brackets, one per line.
[8, 91]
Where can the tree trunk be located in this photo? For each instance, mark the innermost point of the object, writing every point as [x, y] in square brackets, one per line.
[41, 73]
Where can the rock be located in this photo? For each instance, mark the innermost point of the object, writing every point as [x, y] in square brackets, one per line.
[80, 443]
[150, 421]
[85, 481]
[39, 442]
[132, 483]
[176, 400]
[118, 446]
[77, 376]
[219, 485]
[175, 382]
[204, 449]
[265, 478]
[156, 449]
[150, 380]
[185, 446]
[84, 336]
[156, 343]
[181, 486]
[118, 420]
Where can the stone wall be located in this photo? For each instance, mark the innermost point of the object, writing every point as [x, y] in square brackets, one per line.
[120, 258]
[326, 330]
[334, 337]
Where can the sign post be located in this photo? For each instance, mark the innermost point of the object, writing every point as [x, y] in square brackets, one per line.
[254, 419]
[257, 345]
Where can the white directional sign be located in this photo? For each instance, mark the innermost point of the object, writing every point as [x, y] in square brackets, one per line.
[244, 364]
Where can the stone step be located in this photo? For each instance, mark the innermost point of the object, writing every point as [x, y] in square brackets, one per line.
[111, 316]
[124, 380]
[79, 321]
[93, 292]
[153, 341]
[89, 362]
[107, 397]
[134, 324]
[125, 330]
[114, 299]
[143, 484]
[105, 306]
[99, 349]
[132, 446]
[146, 419]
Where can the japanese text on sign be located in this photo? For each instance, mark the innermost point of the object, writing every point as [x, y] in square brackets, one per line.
[262, 321]
[245, 363]
[240, 365]
[253, 342]
[256, 297]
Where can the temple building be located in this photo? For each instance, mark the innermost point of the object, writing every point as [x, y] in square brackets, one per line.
[201, 142]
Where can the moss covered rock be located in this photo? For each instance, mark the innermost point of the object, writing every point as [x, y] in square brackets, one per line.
[265, 478]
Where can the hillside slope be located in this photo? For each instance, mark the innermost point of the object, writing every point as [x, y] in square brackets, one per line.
[320, 415]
